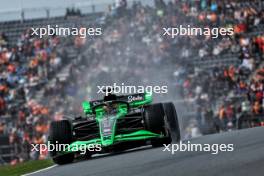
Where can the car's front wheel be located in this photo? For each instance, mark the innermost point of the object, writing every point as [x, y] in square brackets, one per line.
[154, 121]
[61, 133]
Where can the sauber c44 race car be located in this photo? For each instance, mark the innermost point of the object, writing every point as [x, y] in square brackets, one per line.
[116, 123]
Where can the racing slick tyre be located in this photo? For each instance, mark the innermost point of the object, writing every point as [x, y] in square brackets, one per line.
[154, 121]
[61, 133]
[172, 121]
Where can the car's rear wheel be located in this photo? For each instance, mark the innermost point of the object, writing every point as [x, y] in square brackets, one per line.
[172, 121]
[61, 133]
[154, 121]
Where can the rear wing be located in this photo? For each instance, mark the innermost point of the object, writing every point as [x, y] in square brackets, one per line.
[134, 100]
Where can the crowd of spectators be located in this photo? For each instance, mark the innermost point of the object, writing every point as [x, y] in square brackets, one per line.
[133, 46]
[232, 92]
[24, 69]
[134, 42]
[132, 50]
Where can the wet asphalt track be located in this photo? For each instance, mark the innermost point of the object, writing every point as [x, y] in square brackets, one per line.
[247, 159]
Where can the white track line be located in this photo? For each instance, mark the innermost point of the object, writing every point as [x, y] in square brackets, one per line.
[47, 168]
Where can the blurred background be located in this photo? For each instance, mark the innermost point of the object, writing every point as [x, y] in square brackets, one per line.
[216, 84]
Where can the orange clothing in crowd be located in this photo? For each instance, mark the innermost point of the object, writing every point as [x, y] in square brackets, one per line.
[38, 140]
[11, 68]
[33, 63]
[42, 128]
[221, 112]
[239, 28]
[3, 88]
[44, 111]
[213, 17]
[242, 85]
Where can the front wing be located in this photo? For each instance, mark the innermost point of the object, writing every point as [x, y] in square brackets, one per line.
[138, 135]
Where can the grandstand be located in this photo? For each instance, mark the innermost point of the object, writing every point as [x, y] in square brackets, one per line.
[43, 79]
[58, 54]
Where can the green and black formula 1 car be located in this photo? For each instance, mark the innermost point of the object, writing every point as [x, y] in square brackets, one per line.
[115, 123]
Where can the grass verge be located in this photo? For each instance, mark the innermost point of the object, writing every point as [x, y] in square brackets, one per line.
[24, 168]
